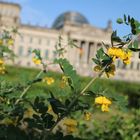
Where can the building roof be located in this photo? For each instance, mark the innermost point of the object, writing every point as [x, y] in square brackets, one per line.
[72, 17]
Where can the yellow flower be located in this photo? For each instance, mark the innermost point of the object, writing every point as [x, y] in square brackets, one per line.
[1, 62]
[64, 81]
[50, 108]
[62, 84]
[71, 129]
[70, 122]
[104, 102]
[117, 52]
[104, 108]
[2, 70]
[48, 80]
[110, 71]
[87, 116]
[36, 61]
[1, 42]
[127, 57]
[8, 121]
[97, 68]
[120, 53]
[29, 113]
[10, 42]
[70, 125]
[2, 67]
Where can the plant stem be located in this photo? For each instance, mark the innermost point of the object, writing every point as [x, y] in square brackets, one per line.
[86, 87]
[73, 102]
[27, 88]
[82, 93]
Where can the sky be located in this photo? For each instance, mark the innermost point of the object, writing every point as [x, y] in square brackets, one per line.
[98, 12]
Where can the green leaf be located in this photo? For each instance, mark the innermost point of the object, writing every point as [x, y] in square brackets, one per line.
[70, 72]
[37, 53]
[130, 46]
[124, 17]
[39, 106]
[56, 105]
[115, 38]
[100, 53]
[71, 43]
[129, 19]
[48, 120]
[119, 20]
[96, 61]
[134, 50]
[106, 61]
[135, 44]
[67, 102]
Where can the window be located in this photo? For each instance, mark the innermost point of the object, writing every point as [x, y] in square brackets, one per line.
[46, 53]
[82, 44]
[90, 51]
[20, 51]
[29, 51]
[39, 41]
[131, 65]
[48, 42]
[31, 40]
[99, 45]
[54, 55]
[21, 38]
[118, 63]
[16, 19]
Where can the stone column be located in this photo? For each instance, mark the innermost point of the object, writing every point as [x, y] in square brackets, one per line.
[85, 53]
[92, 52]
[77, 53]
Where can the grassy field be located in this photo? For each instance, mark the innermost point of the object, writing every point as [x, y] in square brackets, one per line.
[22, 75]
[17, 75]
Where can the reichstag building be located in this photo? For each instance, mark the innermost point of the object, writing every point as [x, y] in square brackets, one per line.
[70, 25]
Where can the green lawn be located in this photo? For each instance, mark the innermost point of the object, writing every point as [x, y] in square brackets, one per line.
[22, 75]
[17, 75]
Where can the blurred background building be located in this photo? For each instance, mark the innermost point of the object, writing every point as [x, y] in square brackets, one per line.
[70, 25]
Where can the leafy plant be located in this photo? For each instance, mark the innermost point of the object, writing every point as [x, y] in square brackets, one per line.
[22, 118]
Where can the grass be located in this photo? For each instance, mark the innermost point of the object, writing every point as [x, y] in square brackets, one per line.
[22, 75]
[17, 75]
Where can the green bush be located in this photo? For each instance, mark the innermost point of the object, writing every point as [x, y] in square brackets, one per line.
[28, 112]
[117, 127]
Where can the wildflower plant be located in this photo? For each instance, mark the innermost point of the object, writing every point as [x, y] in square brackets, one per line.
[22, 118]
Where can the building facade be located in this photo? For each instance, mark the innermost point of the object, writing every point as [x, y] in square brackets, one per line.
[70, 25]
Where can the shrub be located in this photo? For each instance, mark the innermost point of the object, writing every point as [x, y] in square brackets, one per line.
[22, 118]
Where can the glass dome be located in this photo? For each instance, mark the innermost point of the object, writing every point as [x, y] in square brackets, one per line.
[72, 17]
